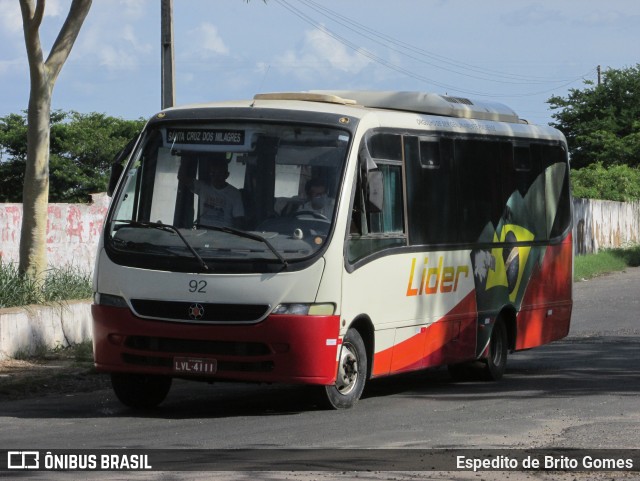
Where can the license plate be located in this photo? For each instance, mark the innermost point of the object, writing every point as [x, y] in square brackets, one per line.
[189, 365]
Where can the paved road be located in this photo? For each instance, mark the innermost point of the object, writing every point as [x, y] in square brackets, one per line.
[608, 305]
[581, 392]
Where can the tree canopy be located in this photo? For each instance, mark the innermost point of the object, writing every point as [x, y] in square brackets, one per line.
[602, 122]
[82, 148]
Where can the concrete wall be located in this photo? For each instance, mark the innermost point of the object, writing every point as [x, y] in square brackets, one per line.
[602, 224]
[73, 231]
[25, 329]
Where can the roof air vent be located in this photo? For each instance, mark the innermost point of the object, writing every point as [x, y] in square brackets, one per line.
[457, 100]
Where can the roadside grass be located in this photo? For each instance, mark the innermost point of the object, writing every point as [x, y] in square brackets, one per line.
[60, 284]
[80, 353]
[605, 261]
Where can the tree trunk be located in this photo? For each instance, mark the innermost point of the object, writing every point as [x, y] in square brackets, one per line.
[43, 75]
[35, 193]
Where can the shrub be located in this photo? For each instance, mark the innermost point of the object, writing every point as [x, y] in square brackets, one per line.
[619, 182]
[60, 284]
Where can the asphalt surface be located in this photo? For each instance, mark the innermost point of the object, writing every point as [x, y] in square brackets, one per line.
[607, 306]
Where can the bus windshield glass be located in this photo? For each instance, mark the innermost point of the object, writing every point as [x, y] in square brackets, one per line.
[232, 191]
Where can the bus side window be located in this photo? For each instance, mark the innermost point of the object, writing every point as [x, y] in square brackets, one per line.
[557, 197]
[481, 199]
[431, 190]
[389, 219]
[373, 230]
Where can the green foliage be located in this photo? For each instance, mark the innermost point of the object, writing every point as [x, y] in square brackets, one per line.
[606, 261]
[13, 136]
[38, 350]
[602, 122]
[60, 284]
[618, 182]
[13, 155]
[83, 351]
[81, 151]
[66, 283]
[16, 290]
[630, 256]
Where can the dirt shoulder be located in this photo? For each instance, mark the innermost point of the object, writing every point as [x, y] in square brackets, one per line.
[60, 374]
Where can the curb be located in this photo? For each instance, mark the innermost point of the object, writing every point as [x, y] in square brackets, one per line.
[25, 330]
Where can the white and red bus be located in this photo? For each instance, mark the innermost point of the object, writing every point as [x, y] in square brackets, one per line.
[370, 233]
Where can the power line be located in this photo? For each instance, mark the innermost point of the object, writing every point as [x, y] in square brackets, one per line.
[366, 53]
[374, 36]
[388, 42]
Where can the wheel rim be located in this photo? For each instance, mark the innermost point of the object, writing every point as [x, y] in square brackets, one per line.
[347, 369]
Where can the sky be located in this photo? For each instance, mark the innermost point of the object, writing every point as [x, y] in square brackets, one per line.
[516, 52]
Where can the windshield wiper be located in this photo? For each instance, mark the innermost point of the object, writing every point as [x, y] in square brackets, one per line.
[247, 235]
[166, 228]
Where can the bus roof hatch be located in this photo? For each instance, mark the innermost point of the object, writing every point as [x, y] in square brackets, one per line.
[308, 96]
[429, 103]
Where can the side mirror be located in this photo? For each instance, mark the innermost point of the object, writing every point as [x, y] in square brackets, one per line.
[375, 191]
[116, 172]
[374, 182]
[117, 166]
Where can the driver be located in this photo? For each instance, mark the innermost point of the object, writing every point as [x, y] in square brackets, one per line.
[317, 200]
[220, 202]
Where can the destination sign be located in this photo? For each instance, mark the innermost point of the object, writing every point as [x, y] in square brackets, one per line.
[205, 136]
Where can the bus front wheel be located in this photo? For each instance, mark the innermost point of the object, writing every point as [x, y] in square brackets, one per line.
[352, 373]
[140, 391]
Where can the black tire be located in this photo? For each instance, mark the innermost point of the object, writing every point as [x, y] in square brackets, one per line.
[352, 373]
[140, 391]
[490, 369]
[496, 362]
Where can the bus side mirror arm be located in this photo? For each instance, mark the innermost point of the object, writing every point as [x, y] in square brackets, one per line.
[117, 166]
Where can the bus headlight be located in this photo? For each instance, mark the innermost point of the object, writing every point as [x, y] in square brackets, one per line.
[109, 300]
[305, 309]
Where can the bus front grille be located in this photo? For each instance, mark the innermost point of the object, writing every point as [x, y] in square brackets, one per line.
[199, 311]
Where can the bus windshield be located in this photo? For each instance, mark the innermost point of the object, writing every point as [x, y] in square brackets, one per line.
[228, 192]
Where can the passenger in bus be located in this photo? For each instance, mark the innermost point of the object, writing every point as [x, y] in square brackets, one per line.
[220, 203]
[317, 200]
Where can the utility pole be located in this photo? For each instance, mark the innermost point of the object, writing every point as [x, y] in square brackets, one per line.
[599, 72]
[167, 65]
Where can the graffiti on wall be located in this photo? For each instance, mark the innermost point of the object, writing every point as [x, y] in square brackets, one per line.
[73, 231]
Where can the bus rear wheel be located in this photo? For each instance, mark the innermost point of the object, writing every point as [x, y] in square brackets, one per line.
[140, 391]
[352, 373]
[491, 368]
[496, 362]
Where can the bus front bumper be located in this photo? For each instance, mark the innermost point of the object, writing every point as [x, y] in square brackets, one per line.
[281, 348]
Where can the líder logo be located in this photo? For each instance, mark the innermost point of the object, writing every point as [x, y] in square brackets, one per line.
[196, 311]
